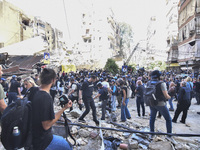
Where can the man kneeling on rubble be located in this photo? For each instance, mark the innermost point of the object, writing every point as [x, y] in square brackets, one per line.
[44, 116]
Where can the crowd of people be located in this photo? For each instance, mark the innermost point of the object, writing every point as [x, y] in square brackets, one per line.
[113, 91]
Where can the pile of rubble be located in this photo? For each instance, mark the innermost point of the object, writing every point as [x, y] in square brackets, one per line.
[97, 139]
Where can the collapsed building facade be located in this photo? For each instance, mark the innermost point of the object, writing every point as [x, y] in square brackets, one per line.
[25, 39]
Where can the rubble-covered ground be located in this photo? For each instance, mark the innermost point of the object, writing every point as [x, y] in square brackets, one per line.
[90, 139]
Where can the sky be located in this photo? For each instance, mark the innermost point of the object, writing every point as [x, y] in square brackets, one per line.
[137, 13]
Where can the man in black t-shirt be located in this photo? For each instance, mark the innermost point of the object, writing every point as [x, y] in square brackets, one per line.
[85, 94]
[43, 116]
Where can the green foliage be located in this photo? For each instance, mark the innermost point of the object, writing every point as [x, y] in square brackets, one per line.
[160, 64]
[111, 66]
[126, 34]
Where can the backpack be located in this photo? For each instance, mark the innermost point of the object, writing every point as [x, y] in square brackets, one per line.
[18, 114]
[150, 94]
[116, 91]
[78, 87]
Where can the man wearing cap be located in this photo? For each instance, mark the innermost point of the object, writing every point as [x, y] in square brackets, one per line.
[2, 95]
[161, 95]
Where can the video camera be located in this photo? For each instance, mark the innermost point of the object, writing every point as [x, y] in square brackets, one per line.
[63, 100]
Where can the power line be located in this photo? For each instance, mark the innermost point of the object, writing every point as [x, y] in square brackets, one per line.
[66, 19]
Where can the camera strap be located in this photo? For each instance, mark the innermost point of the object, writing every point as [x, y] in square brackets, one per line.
[67, 130]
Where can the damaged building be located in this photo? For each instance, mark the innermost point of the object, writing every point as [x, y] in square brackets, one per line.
[189, 35]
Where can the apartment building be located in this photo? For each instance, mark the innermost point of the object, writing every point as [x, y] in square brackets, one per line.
[172, 34]
[15, 25]
[155, 47]
[99, 37]
[189, 34]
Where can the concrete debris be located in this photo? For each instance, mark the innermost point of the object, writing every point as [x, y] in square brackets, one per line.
[88, 138]
[76, 113]
[94, 134]
[83, 133]
[81, 142]
[133, 144]
[160, 145]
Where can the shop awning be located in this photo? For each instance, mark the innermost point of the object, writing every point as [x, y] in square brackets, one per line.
[174, 65]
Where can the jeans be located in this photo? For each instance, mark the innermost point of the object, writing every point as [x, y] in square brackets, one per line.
[104, 103]
[89, 103]
[60, 143]
[140, 102]
[124, 110]
[170, 103]
[113, 102]
[165, 112]
[12, 96]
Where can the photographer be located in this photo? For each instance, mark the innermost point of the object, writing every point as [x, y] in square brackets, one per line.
[43, 116]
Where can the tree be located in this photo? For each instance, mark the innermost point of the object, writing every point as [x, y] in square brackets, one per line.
[126, 34]
[111, 66]
[160, 64]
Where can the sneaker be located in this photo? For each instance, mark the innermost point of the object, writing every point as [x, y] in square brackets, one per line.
[198, 113]
[81, 120]
[129, 118]
[171, 109]
[138, 116]
[173, 121]
[123, 121]
[182, 122]
[97, 122]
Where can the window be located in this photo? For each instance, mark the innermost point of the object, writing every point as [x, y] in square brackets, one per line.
[25, 22]
[87, 31]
